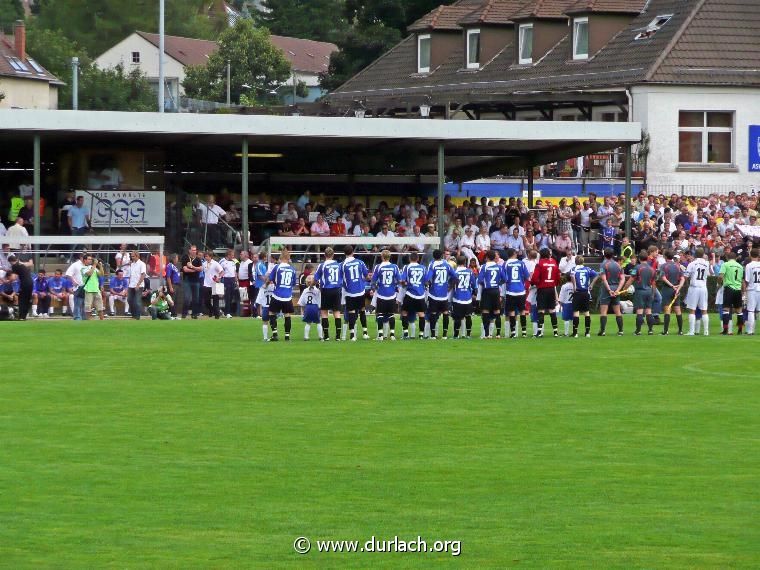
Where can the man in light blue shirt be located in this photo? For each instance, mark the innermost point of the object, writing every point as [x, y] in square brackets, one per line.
[79, 220]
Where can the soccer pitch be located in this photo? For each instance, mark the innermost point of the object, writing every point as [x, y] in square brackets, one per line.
[192, 444]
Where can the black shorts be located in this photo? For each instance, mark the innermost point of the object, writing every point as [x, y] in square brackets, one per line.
[276, 306]
[461, 310]
[354, 303]
[330, 299]
[581, 301]
[386, 306]
[546, 299]
[411, 305]
[514, 304]
[732, 298]
[489, 300]
[436, 306]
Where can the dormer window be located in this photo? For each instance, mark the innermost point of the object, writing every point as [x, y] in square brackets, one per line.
[580, 38]
[654, 26]
[423, 53]
[525, 46]
[473, 49]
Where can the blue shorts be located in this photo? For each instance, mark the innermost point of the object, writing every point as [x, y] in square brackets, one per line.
[533, 313]
[264, 313]
[311, 314]
[567, 311]
[698, 313]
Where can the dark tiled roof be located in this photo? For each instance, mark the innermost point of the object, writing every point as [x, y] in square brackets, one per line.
[543, 9]
[304, 55]
[8, 51]
[720, 45]
[607, 6]
[710, 42]
[445, 17]
[493, 12]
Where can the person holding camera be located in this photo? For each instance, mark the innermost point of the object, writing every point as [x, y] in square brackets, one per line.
[91, 271]
[161, 304]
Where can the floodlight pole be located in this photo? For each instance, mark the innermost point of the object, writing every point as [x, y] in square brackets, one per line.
[229, 95]
[75, 83]
[244, 195]
[441, 164]
[628, 168]
[161, 56]
[37, 179]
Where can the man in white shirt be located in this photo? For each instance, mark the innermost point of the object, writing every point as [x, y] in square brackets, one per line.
[137, 275]
[74, 273]
[229, 278]
[17, 231]
[567, 263]
[212, 275]
[123, 260]
[210, 216]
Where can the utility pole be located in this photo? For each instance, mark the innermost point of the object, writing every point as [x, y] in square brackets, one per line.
[229, 97]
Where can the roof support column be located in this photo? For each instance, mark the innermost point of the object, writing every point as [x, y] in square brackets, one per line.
[530, 185]
[244, 196]
[441, 164]
[36, 195]
[628, 167]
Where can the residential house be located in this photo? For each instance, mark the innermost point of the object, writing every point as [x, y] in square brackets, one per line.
[687, 70]
[140, 50]
[24, 83]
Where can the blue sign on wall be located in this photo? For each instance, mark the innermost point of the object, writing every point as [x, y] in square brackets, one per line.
[754, 148]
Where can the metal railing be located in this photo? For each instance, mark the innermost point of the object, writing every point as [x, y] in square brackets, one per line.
[701, 189]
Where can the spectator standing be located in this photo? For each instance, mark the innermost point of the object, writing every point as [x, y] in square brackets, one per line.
[191, 267]
[137, 277]
[91, 272]
[17, 232]
[212, 275]
[74, 274]
[26, 284]
[79, 219]
[211, 213]
[230, 280]
[172, 281]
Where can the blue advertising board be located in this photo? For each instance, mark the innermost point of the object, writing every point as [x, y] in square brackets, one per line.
[754, 148]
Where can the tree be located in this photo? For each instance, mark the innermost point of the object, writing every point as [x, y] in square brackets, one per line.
[99, 89]
[10, 11]
[318, 20]
[375, 27]
[256, 66]
[97, 26]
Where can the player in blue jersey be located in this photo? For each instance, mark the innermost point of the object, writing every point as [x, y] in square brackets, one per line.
[465, 285]
[413, 279]
[439, 276]
[490, 278]
[284, 278]
[58, 291]
[41, 295]
[582, 278]
[355, 278]
[385, 281]
[117, 291]
[329, 278]
[516, 275]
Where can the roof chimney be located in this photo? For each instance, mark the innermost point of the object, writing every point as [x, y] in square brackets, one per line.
[19, 37]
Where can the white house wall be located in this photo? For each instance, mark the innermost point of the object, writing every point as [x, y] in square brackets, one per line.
[657, 108]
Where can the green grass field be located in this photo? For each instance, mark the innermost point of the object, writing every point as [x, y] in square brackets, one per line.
[193, 444]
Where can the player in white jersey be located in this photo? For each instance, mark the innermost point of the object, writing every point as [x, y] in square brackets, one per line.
[752, 288]
[531, 261]
[262, 300]
[311, 300]
[696, 298]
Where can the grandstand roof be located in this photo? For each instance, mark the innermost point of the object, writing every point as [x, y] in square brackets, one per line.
[318, 145]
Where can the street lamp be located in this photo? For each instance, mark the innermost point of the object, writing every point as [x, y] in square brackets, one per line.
[425, 111]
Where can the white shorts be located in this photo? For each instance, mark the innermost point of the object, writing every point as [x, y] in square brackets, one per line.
[719, 296]
[753, 301]
[696, 298]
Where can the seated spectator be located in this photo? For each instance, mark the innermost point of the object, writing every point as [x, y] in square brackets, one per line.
[59, 292]
[41, 295]
[320, 228]
[300, 228]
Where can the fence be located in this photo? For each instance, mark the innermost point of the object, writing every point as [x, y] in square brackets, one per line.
[700, 189]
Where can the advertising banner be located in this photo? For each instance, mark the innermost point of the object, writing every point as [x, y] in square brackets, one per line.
[125, 208]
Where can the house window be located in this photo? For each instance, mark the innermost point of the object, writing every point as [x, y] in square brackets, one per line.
[705, 137]
[423, 53]
[580, 38]
[18, 65]
[473, 49]
[653, 26]
[525, 54]
[135, 57]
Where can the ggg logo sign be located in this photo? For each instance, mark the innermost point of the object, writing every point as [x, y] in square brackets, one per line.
[125, 208]
[754, 148]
